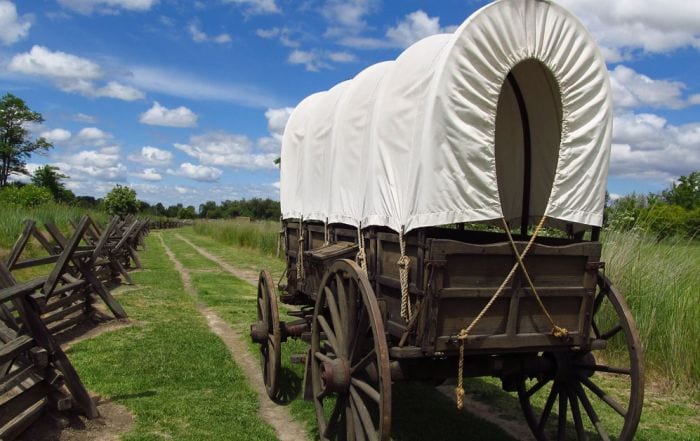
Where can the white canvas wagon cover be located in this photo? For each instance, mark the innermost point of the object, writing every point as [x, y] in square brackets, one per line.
[437, 136]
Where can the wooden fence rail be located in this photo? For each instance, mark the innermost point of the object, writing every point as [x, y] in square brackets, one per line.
[35, 374]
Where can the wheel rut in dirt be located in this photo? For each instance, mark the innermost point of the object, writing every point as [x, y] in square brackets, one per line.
[277, 416]
[249, 276]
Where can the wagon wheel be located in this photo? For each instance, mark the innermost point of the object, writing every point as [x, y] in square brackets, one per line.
[350, 360]
[602, 389]
[266, 332]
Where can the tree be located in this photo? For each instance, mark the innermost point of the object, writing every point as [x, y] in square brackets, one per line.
[685, 193]
[50, 178]
[121, 201]
[15, 143]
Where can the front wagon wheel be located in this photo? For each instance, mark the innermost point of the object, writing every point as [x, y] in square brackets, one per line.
[349, 358]
[601, 390]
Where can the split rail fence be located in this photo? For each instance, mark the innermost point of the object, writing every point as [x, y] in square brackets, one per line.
[35, 374]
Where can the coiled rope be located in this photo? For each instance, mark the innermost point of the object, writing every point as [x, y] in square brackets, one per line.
[404, 264]
[361, 257]
[464, 333]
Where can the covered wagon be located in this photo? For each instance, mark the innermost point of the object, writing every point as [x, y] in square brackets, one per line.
[441, 216]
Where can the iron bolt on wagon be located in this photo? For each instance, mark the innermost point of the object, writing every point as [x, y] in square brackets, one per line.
[414, 199]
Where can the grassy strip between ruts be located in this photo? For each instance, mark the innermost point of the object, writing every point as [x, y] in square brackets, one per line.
[419, 411]
[668, 416]
[168, 368]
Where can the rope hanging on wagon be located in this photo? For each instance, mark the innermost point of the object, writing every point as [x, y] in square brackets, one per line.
[361, 257]
[326, 234]
[404, 264]
[557, 331]
[300, 253]
[464, 333]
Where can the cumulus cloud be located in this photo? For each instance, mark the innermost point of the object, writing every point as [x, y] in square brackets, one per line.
[229, 150]
[283, 34]
[148, 174]
[103, 164]
[84, 118]
[195, 172]
[632, 89]
[347, 16]
[70, 73]
[200, 36]
[91, 136]
[277, 120]
[413, 27]
[56, 135]
[151, 156]
[623, 27]
[106, 6]
[311, 60]
[647, 146]
[12, 27]
[159, 115]
[256, 7]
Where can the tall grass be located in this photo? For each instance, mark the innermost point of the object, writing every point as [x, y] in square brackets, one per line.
[660, 283]
[260, 235]
[13, 216]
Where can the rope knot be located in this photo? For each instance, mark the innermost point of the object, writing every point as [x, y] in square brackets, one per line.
[463, 334]
[559, 332]
[404, 262]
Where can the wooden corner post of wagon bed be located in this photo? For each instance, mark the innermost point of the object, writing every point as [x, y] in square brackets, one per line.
[467, 178]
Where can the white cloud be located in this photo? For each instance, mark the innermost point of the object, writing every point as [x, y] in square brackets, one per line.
[347, 16]
[413, 27]
[70, 73]
[227, 150]
[148, 174]
[152, 156]
[311, 60]
[91, 136]
[201, 173]
[159, 115]
[284, 34]
[84, 118]
[106, 6]
[57, 65]
[200, 36]
[171, 82]
[647, 146]
[12, 27]
[624, 26]
[342, 57]
[632, 89]
[256, 7]
[277, 120]
[103, 165]
[56, 135]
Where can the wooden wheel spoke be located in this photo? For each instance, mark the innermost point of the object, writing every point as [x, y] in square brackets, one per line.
[330, 335]
[333, 421]
[592, 415]
[359, 334]
[605, 397]
[548, 407]
[323, 357]
[576, 413]
[363, 362]
[366, 388]
[539, 385]
[561, 426]
[335, 319]
[357, 422]
[611, 333]
[365, 417]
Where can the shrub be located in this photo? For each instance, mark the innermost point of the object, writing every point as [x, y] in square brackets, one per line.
[25, 196]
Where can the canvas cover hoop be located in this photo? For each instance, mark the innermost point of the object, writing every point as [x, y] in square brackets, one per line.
[424, 140]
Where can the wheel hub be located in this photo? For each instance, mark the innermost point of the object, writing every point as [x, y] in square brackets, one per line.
[335, 376]
[258, 333]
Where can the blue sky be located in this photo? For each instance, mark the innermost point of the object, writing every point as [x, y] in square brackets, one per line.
[186, 100]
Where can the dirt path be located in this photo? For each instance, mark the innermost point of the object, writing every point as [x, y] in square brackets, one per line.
[249, 276]
[277, 416]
